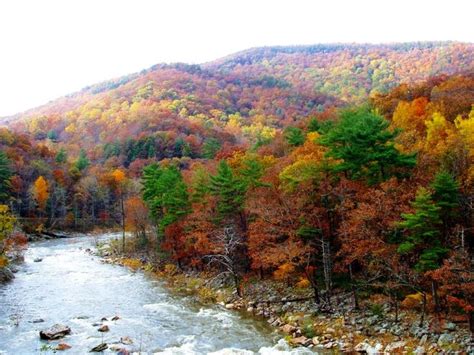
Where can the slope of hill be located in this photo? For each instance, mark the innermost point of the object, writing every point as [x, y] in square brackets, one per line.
[244, 98]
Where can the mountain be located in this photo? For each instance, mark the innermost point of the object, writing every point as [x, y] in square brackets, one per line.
[243, 98]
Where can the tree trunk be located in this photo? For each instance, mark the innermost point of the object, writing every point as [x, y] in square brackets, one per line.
[327, 268]
[237, 285]
[123, 222]
[471, 324]
[434, 290]
[423, 310]
[396, 308]
[353, 288]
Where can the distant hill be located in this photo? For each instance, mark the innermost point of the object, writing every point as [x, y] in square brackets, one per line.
[244, 97]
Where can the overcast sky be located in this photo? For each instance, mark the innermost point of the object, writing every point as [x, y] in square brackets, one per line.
[49, 48]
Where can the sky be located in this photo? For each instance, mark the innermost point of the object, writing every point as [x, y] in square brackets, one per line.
[51, 48]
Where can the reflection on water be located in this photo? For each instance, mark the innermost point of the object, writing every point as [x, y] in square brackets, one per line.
[74, 288]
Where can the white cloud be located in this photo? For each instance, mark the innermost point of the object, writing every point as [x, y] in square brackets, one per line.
[50, 48]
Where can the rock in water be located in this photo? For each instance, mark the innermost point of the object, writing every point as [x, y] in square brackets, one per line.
[126, 340]
[39, 320]
[115, 318]
[104, 328]
[57, 331]
[62, 346]
[99, 348]
[38, 260]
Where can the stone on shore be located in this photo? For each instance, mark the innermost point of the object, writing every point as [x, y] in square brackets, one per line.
[6, 275]
[288, 329]
[302, 341]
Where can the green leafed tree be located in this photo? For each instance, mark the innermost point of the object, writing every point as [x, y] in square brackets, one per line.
[446, 196]
[229, 190]
[61, 156]
[165, 193]
[210, 147]
[294, 136]
[5, 175]
[82, 162]
[422, 233]
[365, 147]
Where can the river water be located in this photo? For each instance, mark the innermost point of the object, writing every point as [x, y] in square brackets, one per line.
[71, 287]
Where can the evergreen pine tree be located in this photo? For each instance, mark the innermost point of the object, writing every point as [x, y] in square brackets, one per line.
[365, 147]
[294, 136]
[165, 193]
[82, 162]
[423, 235]
[5, 175]
[446, 197]
[229, 191]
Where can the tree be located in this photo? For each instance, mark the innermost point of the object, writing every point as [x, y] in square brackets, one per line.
[210, 147]
[40, 192]
[136, 218]
[118, 181]
[229, 191]
[7, 224]
[82, 162]
[227, 256]
[294, 136]
[446, 197]
[5, 175]
[61, 157]
[422, 232]
[165, 193]
[365, 147]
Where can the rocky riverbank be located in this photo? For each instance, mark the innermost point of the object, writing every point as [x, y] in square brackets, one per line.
[372, 329]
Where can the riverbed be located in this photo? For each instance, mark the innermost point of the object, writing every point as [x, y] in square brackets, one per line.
[72, 287]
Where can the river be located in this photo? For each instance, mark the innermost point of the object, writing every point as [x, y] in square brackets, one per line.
[71, 287]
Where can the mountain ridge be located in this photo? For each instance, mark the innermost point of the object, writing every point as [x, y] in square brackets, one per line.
[250, 56]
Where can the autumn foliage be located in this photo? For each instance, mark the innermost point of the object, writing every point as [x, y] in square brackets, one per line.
[331, 166]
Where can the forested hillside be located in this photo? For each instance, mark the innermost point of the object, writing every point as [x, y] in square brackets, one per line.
[326, 166]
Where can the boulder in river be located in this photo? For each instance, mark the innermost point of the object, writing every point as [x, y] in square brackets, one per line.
[99, 348]
[57, 331]
[38, 260]
[114, 318]
[104, 328]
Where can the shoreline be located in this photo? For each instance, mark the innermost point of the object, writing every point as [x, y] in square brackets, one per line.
[294, 314]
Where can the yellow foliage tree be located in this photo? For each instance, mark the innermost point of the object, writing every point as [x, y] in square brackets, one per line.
[465, 128]
[7, 223]
[307, 164]
[440, 135]
[40, 192]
